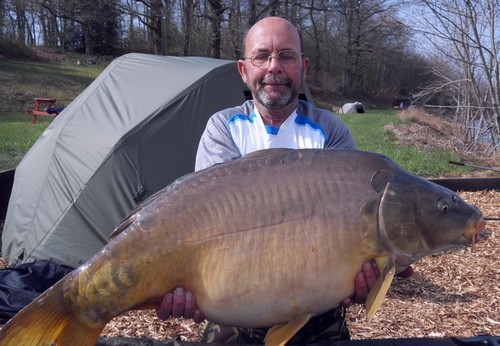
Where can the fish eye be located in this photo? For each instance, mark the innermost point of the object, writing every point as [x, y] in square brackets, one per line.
[443, 206]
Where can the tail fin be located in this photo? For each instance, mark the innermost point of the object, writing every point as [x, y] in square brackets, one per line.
[48, 321]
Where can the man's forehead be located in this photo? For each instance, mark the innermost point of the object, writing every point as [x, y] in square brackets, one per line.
[269, 39]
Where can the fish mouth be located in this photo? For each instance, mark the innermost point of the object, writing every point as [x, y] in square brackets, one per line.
[473, 233]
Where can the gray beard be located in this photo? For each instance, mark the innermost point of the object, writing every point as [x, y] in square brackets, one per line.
[281, 102]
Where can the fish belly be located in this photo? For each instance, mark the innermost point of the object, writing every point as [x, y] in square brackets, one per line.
[275, 274]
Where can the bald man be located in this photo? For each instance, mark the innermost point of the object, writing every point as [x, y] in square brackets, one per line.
[274, 68]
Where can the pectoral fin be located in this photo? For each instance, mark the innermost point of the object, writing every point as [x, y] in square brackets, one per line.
[381, 286]
[280, 334]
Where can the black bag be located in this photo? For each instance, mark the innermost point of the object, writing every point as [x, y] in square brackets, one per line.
[20, 285]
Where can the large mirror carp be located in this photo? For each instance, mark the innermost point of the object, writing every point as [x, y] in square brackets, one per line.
[271, 239]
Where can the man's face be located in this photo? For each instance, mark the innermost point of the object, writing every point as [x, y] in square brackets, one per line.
[276, 84]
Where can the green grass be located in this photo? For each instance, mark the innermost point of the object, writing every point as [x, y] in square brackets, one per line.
[17, 135]
[369, 133]
[20, 82]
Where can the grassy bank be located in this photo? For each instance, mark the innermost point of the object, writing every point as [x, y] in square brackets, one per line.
[58, 77]
[18, 134]
[369, 133]
[21, 81]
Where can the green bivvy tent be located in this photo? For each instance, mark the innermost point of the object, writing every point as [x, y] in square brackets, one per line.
[134, 130]
[131, 132]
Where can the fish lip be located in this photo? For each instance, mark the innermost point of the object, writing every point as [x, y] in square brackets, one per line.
[481, 225]
[472, 234]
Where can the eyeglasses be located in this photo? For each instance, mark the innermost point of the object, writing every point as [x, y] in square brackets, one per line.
[286, 57]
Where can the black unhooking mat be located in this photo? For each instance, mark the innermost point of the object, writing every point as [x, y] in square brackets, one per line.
[20, 285]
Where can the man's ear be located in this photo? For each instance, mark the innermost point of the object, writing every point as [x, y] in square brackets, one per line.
[242, 70]
[305, 67]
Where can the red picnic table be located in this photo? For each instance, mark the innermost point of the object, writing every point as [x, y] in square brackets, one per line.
[44, 107]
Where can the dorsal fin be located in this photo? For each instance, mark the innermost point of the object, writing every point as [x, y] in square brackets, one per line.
[268, 152]
[122, 226]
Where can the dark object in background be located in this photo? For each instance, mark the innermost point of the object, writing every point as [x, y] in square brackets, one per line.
[6, 182]
[22, 284]
[54, 110]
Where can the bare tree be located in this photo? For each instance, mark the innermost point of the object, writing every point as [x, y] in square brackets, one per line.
[235, 29]
[357, 47]
[49, 27]
[370, 31]
[464, 34]
[216, 17]
[15, 10]
[97, 23]
[318, 12]
[2, 18]
[188, 23]
[153, 19]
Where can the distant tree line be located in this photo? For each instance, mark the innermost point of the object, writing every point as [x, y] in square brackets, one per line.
[356, 47]
[443, 54]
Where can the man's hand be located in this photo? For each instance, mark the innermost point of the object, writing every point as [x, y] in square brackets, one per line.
[363, 282]
[180, 303]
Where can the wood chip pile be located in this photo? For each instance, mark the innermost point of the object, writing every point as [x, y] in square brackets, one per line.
[145, 324]
[458, 296]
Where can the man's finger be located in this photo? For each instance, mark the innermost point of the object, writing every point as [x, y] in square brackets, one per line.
[165, 309]
[179, 302]
[198, 316]
[190, 305]
[347, 302]
[360, 289]
[371, 273]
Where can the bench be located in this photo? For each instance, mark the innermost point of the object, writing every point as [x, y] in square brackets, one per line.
[41, 105]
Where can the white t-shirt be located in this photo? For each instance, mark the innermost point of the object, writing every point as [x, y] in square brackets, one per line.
[250, 134]
[235, 132]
